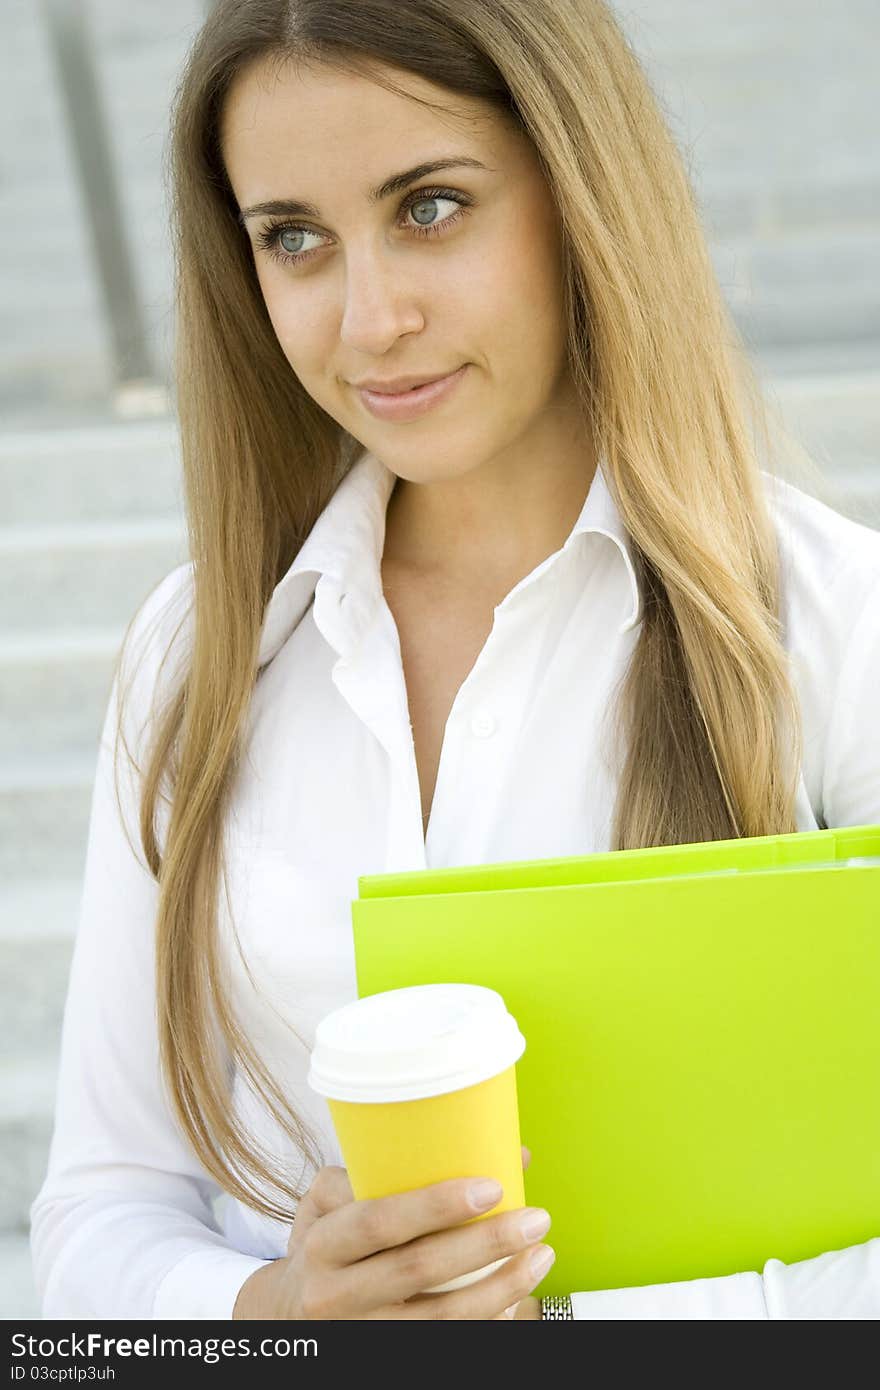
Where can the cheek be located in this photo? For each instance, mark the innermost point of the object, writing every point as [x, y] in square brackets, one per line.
[536, 280]
[277, 304]
[518, 280]
[296, 322]
[524, 307]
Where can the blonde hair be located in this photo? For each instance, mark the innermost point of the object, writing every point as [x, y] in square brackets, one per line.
[707, 718]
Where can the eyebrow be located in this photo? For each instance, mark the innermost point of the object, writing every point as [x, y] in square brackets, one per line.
[292, 207]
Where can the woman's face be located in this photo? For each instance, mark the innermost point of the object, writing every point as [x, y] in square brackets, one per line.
[372, 296]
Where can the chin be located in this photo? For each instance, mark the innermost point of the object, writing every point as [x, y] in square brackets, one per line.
[434, 475]
[438, 466]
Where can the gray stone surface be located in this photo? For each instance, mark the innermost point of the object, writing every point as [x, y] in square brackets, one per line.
[36, 942]
[54, 690]
[44, 817]
[129, 471]
[58, 362]
[18, 1296]
[836, 418]
[32, 991]
[103, 569]
[27, 1103]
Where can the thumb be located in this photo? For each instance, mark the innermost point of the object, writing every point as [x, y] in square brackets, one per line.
[330, 1189]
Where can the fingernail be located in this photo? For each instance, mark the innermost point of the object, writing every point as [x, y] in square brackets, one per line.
[542, 1260]
[511, 1311]
[484, 1194]
[534, 1223]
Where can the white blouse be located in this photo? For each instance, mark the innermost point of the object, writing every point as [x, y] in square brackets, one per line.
[127, 1223]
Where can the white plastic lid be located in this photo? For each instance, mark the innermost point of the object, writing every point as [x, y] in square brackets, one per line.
[405, 1044]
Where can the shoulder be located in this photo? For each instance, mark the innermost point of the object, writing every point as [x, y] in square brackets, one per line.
[829, 566]
[156, 645]
[830, 612]
[150, 663]
[164, 620]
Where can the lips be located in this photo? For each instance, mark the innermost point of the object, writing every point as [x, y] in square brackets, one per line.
[412, 401]
[401, 384]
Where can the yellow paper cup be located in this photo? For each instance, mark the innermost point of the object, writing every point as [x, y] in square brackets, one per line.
[421, 1086]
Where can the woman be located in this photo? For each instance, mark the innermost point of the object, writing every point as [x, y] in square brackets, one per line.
[548, 607]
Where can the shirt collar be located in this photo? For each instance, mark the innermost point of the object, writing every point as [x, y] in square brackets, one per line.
[344, 551]
[599, 516]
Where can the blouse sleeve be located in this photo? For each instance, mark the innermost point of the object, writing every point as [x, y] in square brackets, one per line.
[123, 1225]
[839, 1285]
[851, 782]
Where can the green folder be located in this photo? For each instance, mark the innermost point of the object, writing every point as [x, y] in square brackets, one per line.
[700, 1087]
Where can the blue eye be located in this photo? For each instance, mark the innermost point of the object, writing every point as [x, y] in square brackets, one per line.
[269, 239]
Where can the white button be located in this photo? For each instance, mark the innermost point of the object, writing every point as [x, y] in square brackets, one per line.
[483, 725]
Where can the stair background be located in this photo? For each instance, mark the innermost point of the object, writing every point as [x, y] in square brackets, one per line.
[774, 108]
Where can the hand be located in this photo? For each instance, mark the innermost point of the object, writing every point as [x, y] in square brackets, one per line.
[529, 1308]
[372, 1259]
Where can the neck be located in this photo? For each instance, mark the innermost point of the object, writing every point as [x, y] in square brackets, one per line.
[494, 524]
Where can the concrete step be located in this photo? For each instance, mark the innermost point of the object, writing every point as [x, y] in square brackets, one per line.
[92, 572]
[808, 285]
[44, 816]
[818, 360]
[27, 1108]
[20, 1302]
[837, 421]
[54, 689]
[737, 205]
[37, 930]
[38, 920]
[123, 471]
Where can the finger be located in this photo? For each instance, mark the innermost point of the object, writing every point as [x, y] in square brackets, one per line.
[379, 1223]
[408, 1270]
[528, 1309]
[482, 1301]
[330, 1190]
[526, 1157]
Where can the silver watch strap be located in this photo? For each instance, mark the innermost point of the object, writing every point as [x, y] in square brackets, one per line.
[557, 1306]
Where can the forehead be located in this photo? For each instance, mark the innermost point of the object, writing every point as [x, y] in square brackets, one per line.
[321, 124]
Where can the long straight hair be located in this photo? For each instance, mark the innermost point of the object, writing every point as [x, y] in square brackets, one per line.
[706, 717]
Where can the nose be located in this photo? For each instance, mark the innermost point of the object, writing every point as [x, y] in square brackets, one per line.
[381, 303]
